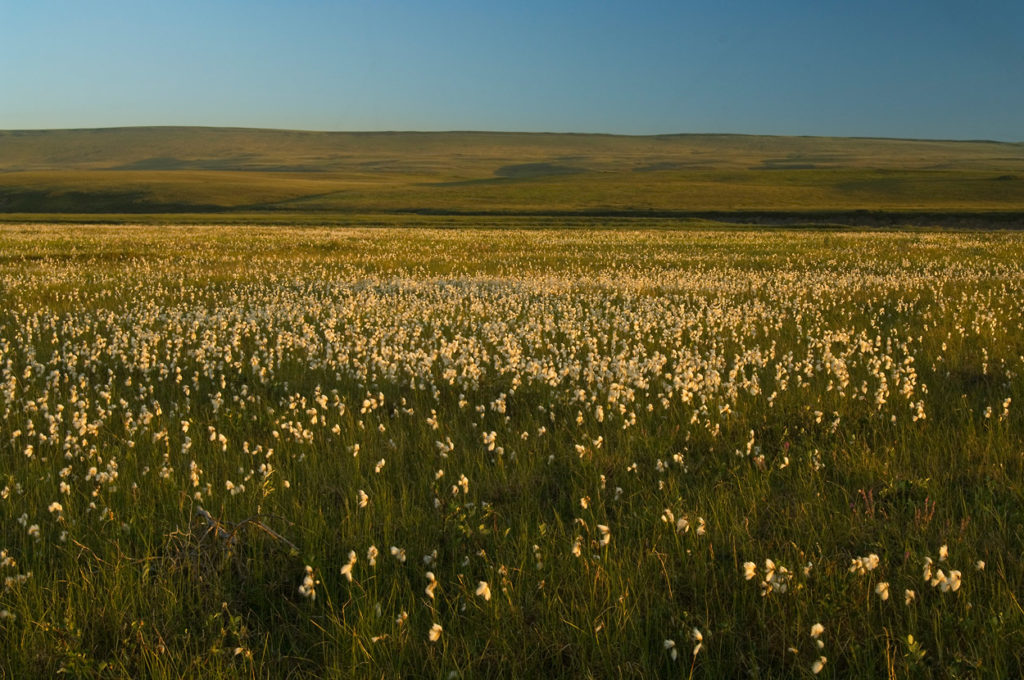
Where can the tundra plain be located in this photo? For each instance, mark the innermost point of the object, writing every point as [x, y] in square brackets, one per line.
[303, 452]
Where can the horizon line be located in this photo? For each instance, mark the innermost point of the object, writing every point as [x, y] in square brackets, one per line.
[507, 132]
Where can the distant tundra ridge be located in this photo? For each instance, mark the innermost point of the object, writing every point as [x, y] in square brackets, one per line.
[232, 174]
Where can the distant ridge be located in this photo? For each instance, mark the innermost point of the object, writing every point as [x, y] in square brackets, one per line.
[203, 148]
[175, 169]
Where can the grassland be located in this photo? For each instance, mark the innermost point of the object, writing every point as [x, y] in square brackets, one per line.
[265, 175]
[273, 452]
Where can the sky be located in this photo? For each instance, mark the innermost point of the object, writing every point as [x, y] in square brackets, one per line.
[933, 69]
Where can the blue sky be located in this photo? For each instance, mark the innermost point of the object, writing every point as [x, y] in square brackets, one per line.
[908, 68]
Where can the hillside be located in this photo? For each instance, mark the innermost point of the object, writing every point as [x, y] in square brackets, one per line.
[230, 171]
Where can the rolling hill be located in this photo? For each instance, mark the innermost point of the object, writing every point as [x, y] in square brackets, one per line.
[233, 173]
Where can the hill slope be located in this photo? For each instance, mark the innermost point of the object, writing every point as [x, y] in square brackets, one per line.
[231, 170]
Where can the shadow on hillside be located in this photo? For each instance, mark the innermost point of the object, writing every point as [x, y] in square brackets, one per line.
[238, 163]
[42, 201]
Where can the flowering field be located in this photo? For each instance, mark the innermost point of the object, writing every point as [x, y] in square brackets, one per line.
[241, 452]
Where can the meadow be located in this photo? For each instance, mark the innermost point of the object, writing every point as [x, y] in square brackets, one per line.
[233, 452]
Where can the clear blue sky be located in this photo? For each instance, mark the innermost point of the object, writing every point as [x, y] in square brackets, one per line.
[893, 68]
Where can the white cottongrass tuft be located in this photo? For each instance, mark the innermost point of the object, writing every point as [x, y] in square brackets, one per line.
[346, 570]
[308, 587]
[431, 585]
[483, 590]
[882, 590]
[698, 637]
[862, 565]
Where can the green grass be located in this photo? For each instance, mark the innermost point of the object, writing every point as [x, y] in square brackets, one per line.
[340, 175]
[770, 383]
